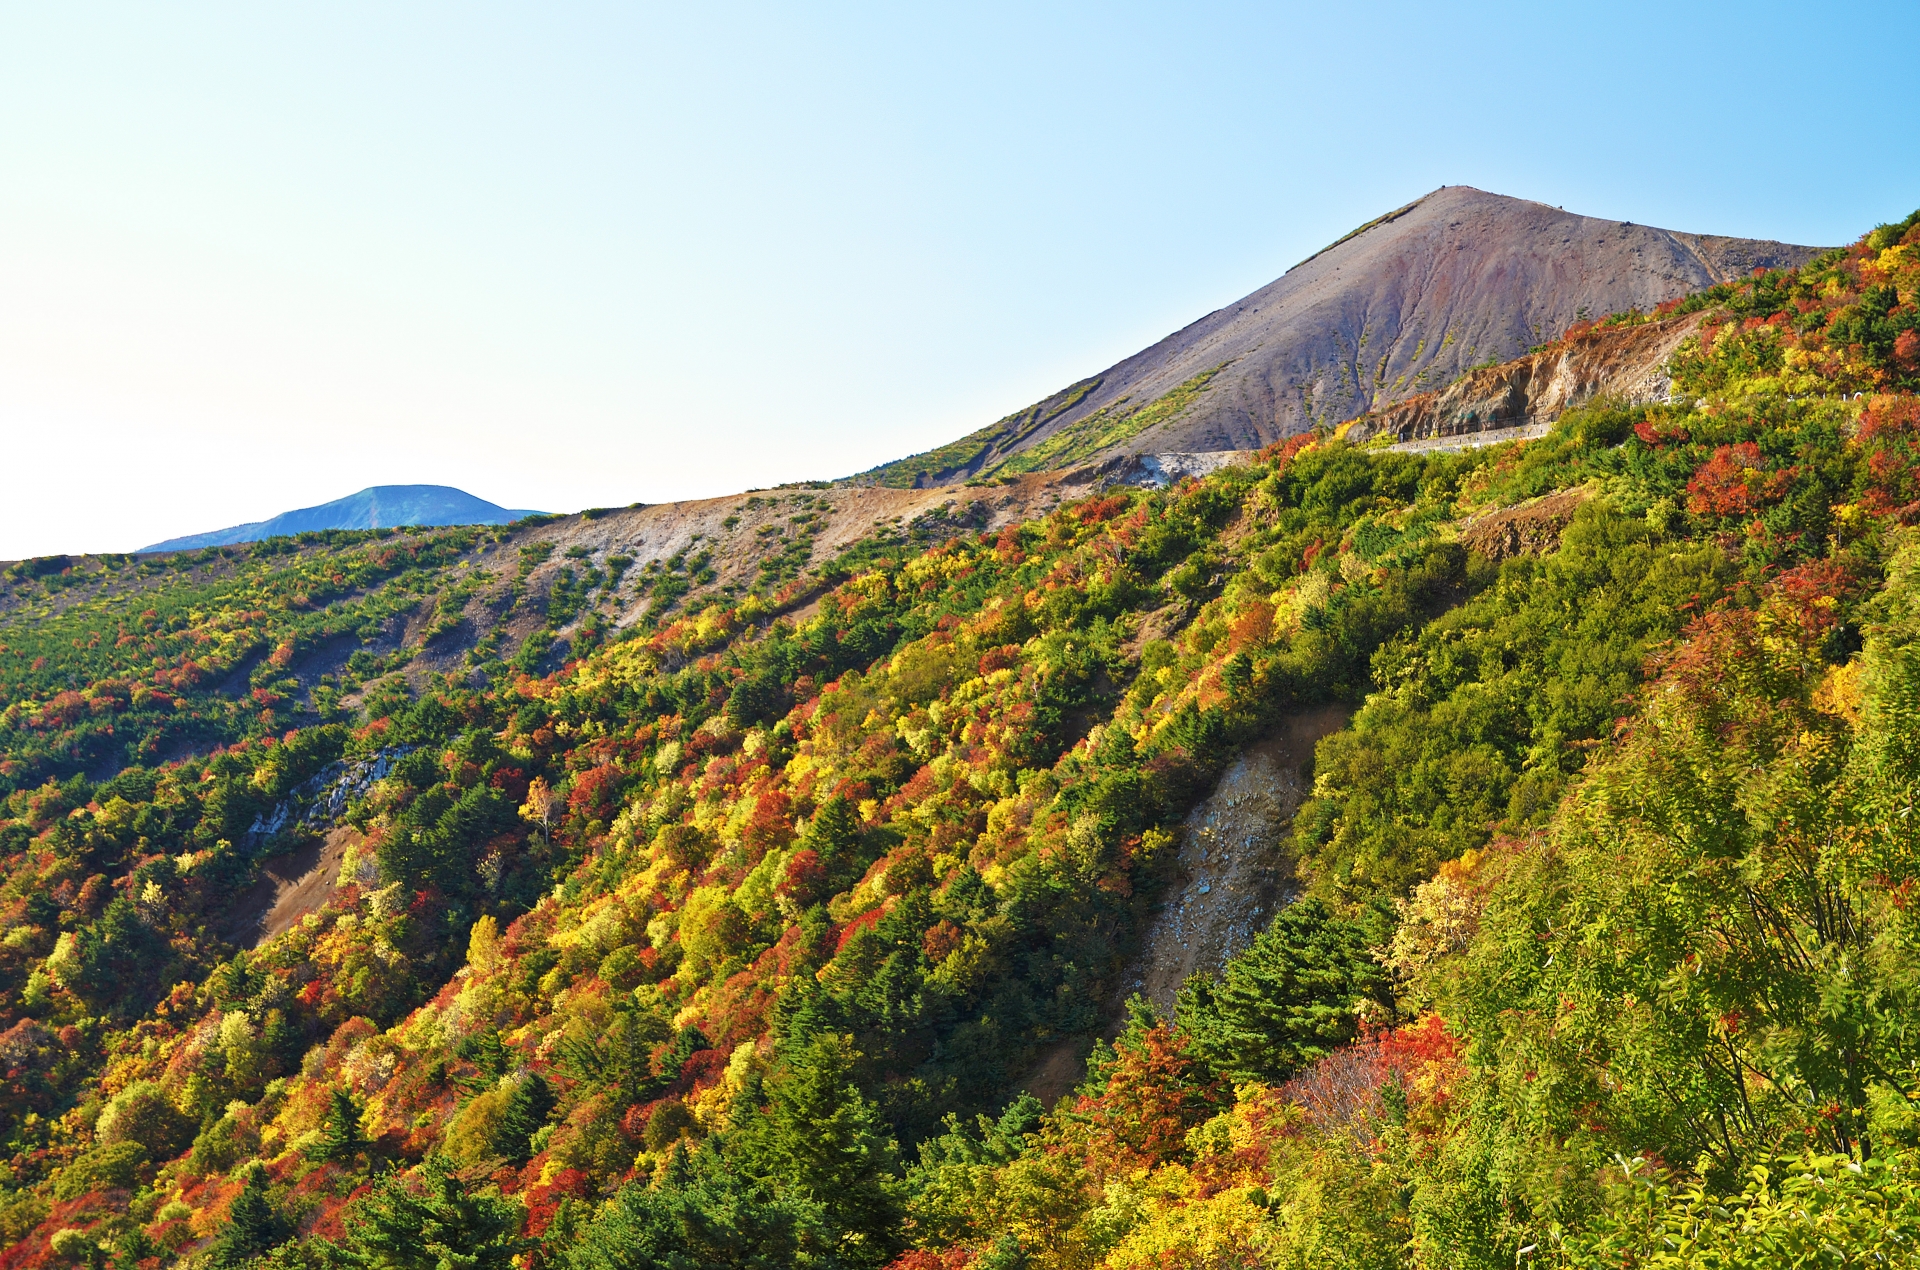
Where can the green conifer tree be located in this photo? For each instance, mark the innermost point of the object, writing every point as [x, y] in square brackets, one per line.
[824, 1142]
[526, 1114]
[834, 833]
[428, 1220]
[253, 1226]
[701, 1213]
[341, 1141]
[486, 1052]
[1289, 999]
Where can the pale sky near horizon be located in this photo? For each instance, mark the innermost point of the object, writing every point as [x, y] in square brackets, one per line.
[258, 256]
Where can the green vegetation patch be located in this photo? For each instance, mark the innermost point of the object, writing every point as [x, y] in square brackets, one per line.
[1105, 428]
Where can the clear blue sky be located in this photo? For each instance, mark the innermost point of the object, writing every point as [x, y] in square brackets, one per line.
[256, 256]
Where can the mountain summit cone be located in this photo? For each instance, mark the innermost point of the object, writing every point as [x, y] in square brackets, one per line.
[1404, 304]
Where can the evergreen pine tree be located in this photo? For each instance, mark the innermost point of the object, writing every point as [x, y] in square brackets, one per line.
[1289, 999]
[341, 1140]
[489, 1054]
[824, 1142]
[253, 1227]
[701, 1213]
[429, 1221]
[526, 1114]
[834, 834]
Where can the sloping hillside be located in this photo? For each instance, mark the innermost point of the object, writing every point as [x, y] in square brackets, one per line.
[1403, 305]
[729, 934]
[431, 601]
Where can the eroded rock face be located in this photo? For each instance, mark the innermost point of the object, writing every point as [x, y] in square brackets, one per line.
[1233, 870]
[290, 887]
[1625, 364]
[1157, 471]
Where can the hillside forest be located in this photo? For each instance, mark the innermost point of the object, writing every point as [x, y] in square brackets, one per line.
[730, 936]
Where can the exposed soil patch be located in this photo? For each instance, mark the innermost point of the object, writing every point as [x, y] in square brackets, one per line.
[739, 532]
[326, 658]
[1060, 1068]
[1527, 529]
[237, 679]
[290, 887]
[1163, 623]
[1232, 870]
[716, 548]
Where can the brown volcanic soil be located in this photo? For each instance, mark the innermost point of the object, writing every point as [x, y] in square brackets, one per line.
[765, 522]
[1402, 306]
[1531, 528]
[290, 887]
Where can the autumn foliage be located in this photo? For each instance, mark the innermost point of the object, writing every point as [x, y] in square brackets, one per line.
[737, 932]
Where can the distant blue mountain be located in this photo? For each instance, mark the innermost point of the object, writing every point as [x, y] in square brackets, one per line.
[382, 507]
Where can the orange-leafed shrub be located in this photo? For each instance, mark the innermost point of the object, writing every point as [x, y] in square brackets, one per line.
[1736, 482]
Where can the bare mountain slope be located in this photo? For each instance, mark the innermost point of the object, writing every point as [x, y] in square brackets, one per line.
[1401, 306]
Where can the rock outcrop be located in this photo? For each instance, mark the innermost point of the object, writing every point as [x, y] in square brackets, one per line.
[1626, 364]
[1233, 869]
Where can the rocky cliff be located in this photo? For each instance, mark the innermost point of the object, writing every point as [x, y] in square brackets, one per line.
[1625, 363]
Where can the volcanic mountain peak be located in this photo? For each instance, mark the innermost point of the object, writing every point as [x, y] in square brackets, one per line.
[1403, 305]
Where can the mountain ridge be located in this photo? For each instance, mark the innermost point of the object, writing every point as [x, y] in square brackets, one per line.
[375, 507]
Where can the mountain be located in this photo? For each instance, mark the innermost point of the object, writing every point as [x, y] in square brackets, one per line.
[1402, 305]
[377, 507]
[1510, 849]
